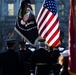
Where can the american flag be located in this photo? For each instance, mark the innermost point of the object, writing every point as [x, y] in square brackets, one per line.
[48, 23]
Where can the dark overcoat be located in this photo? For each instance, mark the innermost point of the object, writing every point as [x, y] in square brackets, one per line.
[27, 56]
[41, 62]
[11, 63]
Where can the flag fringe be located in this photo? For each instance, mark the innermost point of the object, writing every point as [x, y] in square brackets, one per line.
[47, 43]
[71, 73]
[24, 36]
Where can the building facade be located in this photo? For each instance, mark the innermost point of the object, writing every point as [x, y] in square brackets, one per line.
[8, 14]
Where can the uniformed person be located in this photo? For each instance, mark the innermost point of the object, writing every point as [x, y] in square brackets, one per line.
[11, 62]
[63, 61]
[55, 65]
[41, 62]
[26, 56]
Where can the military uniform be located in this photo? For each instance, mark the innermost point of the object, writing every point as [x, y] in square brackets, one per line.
[41, 62]
[11, 62]
[64, 69]
[26, 56]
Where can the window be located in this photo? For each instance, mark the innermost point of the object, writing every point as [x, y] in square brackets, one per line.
[61, 9]
[61, 6]
[61, 12]
[62, 36]
[10, 9]
[33, 7]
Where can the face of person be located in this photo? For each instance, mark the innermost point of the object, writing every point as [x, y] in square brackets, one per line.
[19, 46]
[60, 60]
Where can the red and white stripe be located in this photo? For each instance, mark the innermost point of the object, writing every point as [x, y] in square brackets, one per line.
[48, 26]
